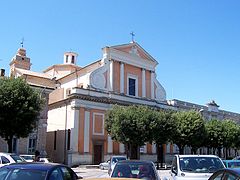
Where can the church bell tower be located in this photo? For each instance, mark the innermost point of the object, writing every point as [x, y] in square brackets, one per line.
[20, 60]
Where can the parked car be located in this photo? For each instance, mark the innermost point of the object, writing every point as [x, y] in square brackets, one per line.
[195, 166]
[236, 158]
[228, 173]
[135, 169]
[113, 161]
[30, 158]
[45, 160]
[104, 165]
[8, 158]
[27, 157]
[37, 171]
[232, 163]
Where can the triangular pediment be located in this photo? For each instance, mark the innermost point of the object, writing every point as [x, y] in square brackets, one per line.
[134, 49]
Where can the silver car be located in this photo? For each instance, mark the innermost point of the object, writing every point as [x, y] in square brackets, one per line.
[104, 165]
[113, 161]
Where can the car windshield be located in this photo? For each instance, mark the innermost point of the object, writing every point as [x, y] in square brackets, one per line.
[200, 164]
[116, 159]
[17, 158]
[139, 170]
[20, 174]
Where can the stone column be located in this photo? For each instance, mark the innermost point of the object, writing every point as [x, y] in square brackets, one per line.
[111, 75]
[86, 131]
[143, 83]
[110, 145]
[152, 85]
[122, 78]
[121, 148]
[154, 148]
[75, 130]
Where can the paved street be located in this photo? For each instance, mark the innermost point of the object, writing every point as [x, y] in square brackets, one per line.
[98, 173]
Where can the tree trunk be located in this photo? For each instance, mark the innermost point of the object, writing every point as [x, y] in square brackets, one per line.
[134, 152]
[226, 153]
[219, 152]
[193, 150]
[160, 155]
[181, 149]
[9, 142]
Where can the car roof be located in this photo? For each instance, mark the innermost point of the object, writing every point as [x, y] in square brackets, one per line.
[33, 165]
[119, 156]
[7, 153]
[231, 160]
[136, 161]
[195, 155]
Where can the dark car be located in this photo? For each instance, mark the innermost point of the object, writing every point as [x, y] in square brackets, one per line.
[232, 163]
[228, 173]
[37, 171]
[135, 169]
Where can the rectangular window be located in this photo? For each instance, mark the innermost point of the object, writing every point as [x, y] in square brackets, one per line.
[72, 59]
[55, 140]
[31, 145]
[132, 86]
[66, 58]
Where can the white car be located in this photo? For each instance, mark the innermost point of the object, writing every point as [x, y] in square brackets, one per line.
[8, 158]
[195, 167]
[27, 157]
[30, 158]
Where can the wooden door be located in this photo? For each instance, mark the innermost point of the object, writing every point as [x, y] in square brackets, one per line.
[97, 154]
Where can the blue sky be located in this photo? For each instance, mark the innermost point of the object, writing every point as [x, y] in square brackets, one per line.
[197, 43]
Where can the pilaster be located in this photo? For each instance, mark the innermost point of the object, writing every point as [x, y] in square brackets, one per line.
[122, 78]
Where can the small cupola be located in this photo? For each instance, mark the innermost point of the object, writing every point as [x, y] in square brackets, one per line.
[212, 106]
[70, 58]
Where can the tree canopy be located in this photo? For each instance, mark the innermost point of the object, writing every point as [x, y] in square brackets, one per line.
[130, 125]
[19, 108]
[190, 130]
[215, 136]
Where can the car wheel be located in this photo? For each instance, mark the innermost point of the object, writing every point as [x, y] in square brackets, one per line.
[101, 167]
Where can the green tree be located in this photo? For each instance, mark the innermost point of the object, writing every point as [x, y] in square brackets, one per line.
[230, 132]
[237, 142]
[129, 125]
[19, 109]
[190, 130]
[163, 128]
[215, 135]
